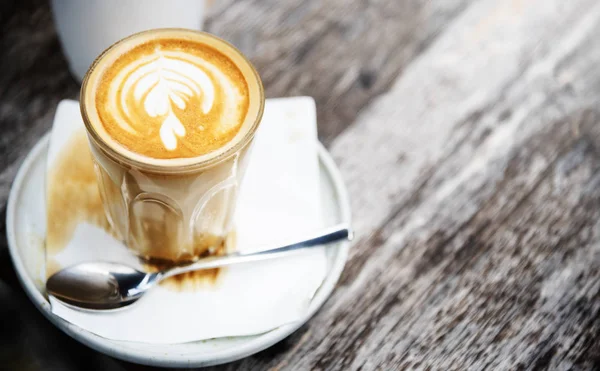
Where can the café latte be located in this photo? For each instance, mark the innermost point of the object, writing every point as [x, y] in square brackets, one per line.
[170, 115]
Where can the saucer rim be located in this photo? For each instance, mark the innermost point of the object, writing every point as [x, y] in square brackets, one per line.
[174, 359]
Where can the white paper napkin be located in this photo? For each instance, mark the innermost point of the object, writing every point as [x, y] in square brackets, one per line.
[279, 199]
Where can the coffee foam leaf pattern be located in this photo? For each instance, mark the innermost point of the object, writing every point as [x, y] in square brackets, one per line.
[175, 100]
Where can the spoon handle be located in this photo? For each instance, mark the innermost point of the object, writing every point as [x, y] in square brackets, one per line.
[329, 235]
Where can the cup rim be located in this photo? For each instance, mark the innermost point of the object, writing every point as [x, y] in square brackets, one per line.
[121, 154]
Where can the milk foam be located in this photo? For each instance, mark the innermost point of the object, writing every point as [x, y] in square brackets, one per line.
[170, 96]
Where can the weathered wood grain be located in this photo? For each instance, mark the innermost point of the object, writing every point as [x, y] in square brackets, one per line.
[341, 52]
[33, 79]
[475, 180]
[448, 173]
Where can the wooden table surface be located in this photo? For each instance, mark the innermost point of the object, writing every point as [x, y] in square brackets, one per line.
[468, 133]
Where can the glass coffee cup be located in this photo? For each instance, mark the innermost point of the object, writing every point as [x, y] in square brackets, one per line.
[170, 116]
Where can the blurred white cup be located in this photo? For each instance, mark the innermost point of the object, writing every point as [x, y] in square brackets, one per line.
[87, 27]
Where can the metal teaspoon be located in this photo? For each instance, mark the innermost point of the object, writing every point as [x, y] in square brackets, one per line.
[105, 285]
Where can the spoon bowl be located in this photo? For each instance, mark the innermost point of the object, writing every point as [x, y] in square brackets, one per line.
[99, 285]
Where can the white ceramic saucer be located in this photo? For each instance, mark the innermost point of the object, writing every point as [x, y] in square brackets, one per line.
[26, 227]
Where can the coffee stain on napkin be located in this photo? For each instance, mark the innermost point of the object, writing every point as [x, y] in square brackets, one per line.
[73, 195]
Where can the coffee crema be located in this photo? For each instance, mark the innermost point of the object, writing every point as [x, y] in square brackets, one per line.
[171, 98]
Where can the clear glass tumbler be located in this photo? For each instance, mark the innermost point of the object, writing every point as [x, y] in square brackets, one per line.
[172, 210]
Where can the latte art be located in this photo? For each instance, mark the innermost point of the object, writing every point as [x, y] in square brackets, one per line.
[157, 85]
[168, 100]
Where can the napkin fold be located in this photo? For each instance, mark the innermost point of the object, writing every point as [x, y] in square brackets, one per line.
[279, 199]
